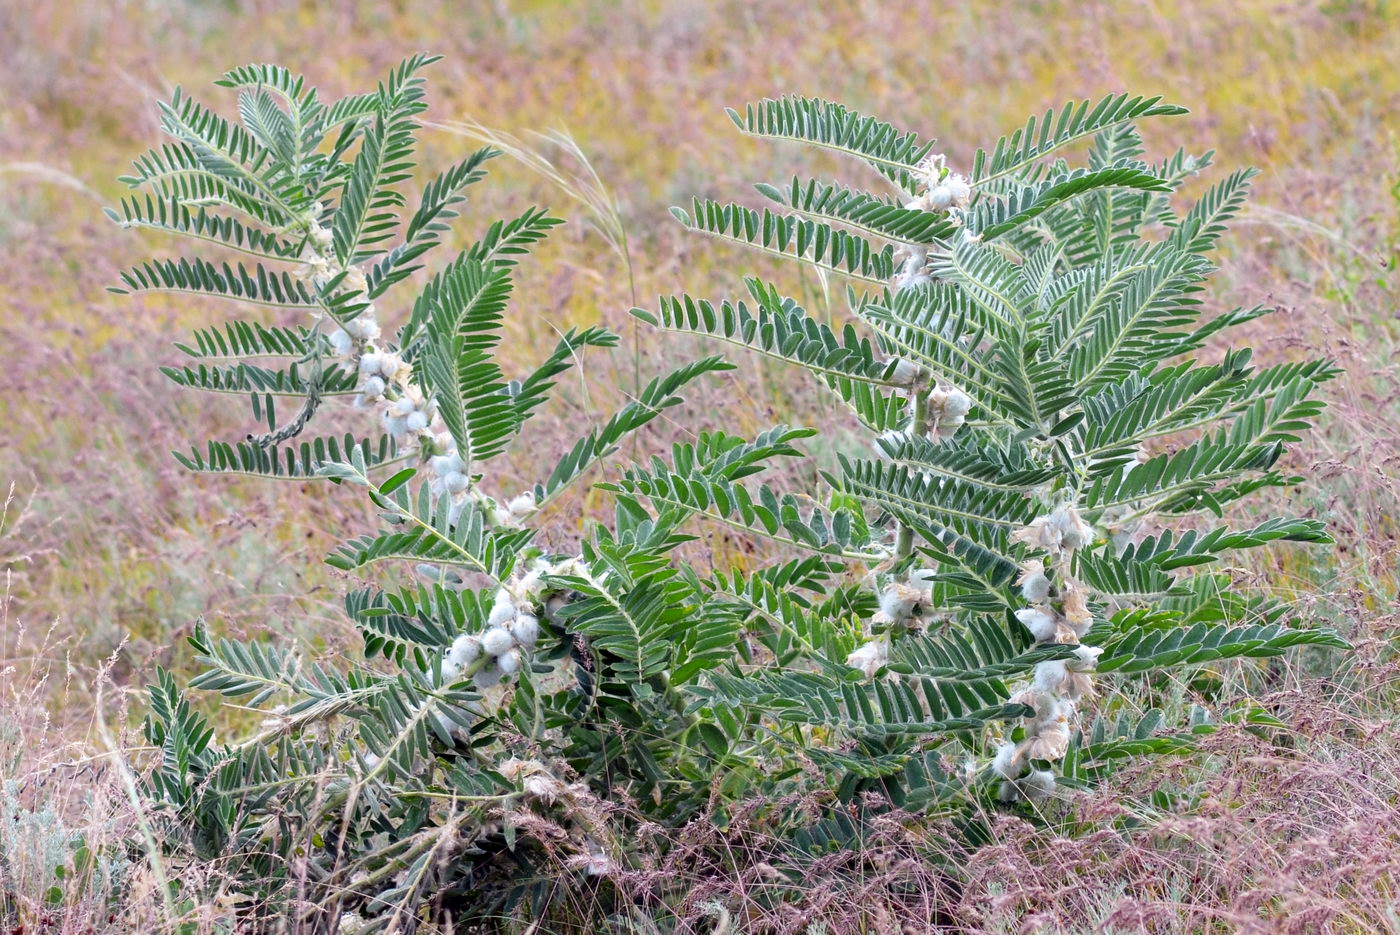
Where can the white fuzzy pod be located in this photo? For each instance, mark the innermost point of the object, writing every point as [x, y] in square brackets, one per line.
[1040, 623]
[369, 363]
[497, 641]
[939, 198]
[403, 406]
[959, 191]
[526, 629]
[898, 601]
[502, 611]
[456, 482]
[1035, 588]
[465, 650]
[417, 421]
[374, 387]
[870, 657]
[1039, 785]
[389, 364]
[1074, 532]
[509, 662]
[1049, 675]
[523, 504]
[1086, 659]
[906, 372]
[1005, 763]
[957, 405]
[543, 787]
[342, 342]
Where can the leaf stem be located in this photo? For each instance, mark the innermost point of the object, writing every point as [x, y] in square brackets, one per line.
[904, 539]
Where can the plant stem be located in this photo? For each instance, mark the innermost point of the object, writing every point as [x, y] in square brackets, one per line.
[904, 539]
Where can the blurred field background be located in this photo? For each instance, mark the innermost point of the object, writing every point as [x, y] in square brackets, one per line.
[111, 551]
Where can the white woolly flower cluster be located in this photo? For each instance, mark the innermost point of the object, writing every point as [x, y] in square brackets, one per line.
[450, 479]
[903, 606]
[1058, 614]
[386, 381]
[385, 378]
[943, 191]
[945, 412]
[512, 628]
[319, 268]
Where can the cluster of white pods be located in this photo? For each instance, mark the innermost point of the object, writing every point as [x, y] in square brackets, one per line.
[406, 413]
[1058, 613]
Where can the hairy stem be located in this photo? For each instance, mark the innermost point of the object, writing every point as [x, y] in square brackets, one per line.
[904, 539]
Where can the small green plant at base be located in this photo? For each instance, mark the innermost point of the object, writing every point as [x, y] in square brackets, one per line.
[527, 727]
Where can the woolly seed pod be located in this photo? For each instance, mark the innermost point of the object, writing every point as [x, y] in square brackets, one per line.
[342, 342]
[1050, 674]
[939, 198]
[1039, 785]
[526, 629]
[1035, 587]
[1039, 622]
[465, 650]
[502, 611]
[497, 641]
[1006, 763]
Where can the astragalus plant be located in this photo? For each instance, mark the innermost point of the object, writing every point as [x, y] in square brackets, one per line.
[528, 731]
[1042, 503]
[508, 697]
